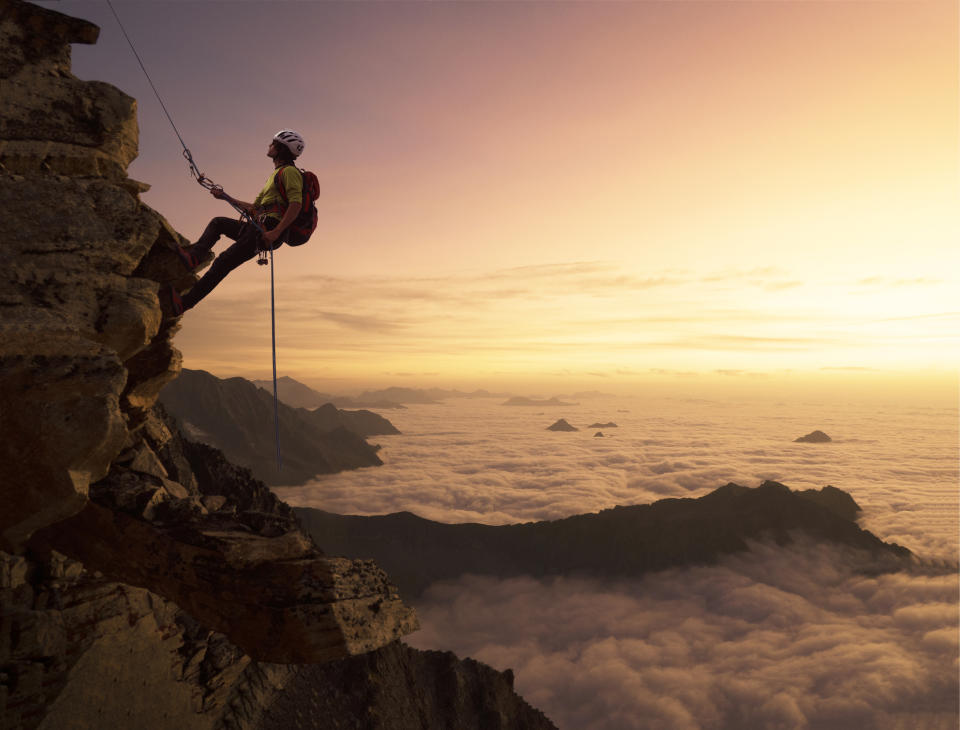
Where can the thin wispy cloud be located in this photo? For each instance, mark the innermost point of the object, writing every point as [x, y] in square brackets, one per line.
[592, 315]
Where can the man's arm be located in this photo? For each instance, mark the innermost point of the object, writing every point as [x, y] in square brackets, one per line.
[221, 195]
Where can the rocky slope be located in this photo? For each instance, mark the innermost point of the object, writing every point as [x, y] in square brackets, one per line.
[236, 416]
[144, 581]
[619, 542]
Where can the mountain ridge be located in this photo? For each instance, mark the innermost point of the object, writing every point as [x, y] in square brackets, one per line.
[237, 417]
[623, 541]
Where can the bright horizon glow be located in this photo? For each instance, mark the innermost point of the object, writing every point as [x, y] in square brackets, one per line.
[530, 194]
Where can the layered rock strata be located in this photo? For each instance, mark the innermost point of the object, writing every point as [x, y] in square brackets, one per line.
[85, 350]
[144, 580]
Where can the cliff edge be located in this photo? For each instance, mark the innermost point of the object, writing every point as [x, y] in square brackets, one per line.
[85, 351]
[131, 558]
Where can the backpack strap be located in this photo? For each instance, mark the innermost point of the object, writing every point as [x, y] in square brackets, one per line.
[278, 181]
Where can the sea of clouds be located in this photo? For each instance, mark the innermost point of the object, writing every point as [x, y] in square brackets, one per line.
[476, 460]
[785, 639]
[799, 637]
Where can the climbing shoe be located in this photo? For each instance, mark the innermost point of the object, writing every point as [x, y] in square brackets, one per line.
[188, 257]
[176, 303]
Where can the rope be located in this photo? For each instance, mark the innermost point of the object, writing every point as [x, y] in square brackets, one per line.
[156, 93]
[204, 181]
[273, 337]
[208, 184]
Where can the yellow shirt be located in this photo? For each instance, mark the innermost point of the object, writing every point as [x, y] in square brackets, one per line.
[270, 195]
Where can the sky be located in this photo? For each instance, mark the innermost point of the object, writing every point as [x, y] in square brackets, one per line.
[530, 194]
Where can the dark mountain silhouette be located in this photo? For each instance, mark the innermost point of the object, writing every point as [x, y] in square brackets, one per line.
[562, 425]
[298, 395]
[522, 401]
[621, 542]
[611, 424]
[236, 417]
[419, 395]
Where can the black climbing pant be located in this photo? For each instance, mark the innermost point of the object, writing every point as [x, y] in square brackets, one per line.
[247, 243]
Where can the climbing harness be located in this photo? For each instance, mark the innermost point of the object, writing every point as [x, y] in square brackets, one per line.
[207, 183]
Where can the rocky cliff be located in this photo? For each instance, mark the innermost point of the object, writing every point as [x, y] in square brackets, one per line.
[144, 580]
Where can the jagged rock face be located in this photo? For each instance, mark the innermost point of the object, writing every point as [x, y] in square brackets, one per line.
[371, 690]
[86, 465]
[145, 581]
[74, 317]
[80, 652]
[77, 650]
[227, 551]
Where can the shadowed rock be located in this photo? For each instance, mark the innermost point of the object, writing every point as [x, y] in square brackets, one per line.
[562, 425]
[814, 437]
[465, 695]
[231, 415]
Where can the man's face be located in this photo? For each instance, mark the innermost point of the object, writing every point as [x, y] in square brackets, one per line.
[272, 150]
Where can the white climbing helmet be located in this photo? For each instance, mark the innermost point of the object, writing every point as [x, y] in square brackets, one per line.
[291, 140]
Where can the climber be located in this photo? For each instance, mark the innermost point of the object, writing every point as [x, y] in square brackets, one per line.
[273, 209]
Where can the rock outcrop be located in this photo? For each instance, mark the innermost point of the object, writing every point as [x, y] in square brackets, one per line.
[814, 437]
[622, 542]
[230, 414]
[144, 580]
[465, 695]
[79, 651]
[90, 469]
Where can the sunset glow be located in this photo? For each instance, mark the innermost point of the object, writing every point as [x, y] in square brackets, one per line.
[605, 191]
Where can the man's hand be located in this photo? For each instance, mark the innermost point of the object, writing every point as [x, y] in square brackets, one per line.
[218, 193]
[270, 237]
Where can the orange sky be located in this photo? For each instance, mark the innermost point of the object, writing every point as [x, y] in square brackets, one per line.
[531, 193]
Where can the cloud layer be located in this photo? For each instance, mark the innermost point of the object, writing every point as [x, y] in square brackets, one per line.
[773, 639]
[479, 461]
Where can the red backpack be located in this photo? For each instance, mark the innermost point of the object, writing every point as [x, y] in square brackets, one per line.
[305, 223]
